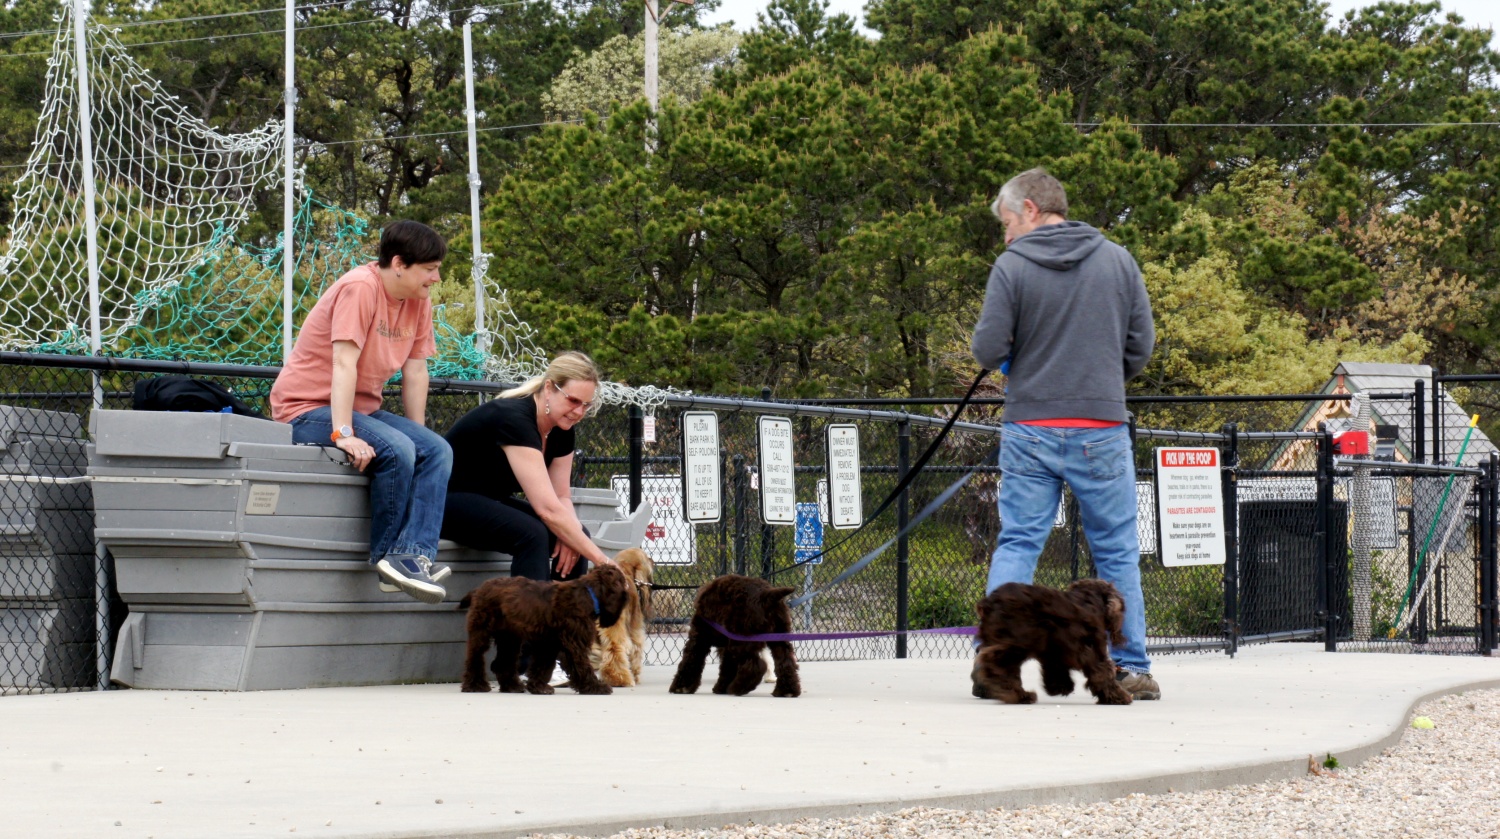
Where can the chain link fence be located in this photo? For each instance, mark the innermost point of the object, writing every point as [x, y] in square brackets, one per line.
[1291, 571]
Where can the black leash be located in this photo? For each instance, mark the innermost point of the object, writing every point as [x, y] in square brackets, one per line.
[932, 507]
[900, 487]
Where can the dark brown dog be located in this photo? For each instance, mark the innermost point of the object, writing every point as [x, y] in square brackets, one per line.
[1063, 630]
[744, 606]
[554, 620]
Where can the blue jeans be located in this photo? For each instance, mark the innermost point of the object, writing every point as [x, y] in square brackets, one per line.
[1097, 463]
[408, 477]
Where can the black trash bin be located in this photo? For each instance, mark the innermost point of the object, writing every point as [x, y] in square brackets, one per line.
[1278, 579]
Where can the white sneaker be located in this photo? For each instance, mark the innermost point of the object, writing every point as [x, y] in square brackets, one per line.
[559, 678]
[439, 573]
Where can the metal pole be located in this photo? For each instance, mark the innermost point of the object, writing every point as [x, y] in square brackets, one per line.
[1487, 554]
[1419, 421]
[1228, 479]
[637, 453]
[476, 273]
[96, 343]
[86, 159]
[651, 62]
[1437, 421]
[1323, 535]
[289, 199]
[903, 545]
[741, 563]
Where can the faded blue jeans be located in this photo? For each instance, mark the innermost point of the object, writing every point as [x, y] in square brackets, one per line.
[408, 477]
[1098, 465]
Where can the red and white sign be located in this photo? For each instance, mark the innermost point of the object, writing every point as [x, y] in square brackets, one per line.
[669, 539]
[1190, 507]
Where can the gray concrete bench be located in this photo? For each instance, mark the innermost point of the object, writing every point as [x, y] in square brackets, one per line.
[244, 560]
[47, 568]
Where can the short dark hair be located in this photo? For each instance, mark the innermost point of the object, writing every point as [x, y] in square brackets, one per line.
[413, 241]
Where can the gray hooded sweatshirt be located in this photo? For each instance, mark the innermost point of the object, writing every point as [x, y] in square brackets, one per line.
[1068, 308]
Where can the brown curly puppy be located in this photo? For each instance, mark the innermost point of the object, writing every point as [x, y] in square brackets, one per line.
[554, 620]
[1063, 630]
[744, 606]
[620, 650]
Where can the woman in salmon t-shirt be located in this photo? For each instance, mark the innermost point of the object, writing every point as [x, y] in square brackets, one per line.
[375, 320]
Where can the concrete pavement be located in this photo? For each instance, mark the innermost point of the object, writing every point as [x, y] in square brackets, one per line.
[866, 736]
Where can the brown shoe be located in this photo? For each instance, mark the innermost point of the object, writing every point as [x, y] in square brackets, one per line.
[1140, 686]
[978, 688]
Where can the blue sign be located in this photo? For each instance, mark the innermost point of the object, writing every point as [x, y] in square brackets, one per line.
[808, 534]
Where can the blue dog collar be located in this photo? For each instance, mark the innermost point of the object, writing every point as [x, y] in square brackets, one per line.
[594, 597]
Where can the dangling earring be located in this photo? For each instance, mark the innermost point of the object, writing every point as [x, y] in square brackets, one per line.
[547, 408]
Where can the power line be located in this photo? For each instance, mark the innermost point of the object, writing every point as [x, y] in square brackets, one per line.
[133, 23]
[304, 143]
[229, 35]
[1286, 124]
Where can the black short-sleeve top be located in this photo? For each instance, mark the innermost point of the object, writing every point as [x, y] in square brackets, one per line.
[479, 463]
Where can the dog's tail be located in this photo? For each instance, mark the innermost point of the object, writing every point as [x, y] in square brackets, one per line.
[464, 603]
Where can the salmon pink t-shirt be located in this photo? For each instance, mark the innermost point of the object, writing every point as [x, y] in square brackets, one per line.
[356, 308]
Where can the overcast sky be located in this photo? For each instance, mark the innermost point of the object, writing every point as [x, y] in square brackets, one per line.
[1474, 12]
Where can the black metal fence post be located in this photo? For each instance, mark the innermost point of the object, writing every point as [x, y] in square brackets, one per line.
[727, 481]
[637, 453]
[767, 532]
[1487, 555]
[740, 478]
[1419, 422]
[903, 547]
[1227, 475]
[1323, 536]
[1437, 420]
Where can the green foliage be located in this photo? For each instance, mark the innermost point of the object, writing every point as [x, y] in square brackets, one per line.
[816, 218]
[940, 601]
[613, 73]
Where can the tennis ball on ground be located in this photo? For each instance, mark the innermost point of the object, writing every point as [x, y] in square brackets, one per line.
[1421, 722]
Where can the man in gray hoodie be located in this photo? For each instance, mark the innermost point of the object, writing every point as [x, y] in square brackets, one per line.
[1065, 308]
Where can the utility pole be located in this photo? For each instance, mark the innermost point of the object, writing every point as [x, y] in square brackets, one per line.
[653, 55]
[652, 51]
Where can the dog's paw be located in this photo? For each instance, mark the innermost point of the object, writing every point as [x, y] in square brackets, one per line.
[475, 687]
[1115, 697]
[793, 691]
[540, 688]
[1027, 697]
[515, 687]
[596, 690]
[683, 689]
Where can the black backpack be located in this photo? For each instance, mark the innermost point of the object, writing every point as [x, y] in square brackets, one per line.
[180, 393]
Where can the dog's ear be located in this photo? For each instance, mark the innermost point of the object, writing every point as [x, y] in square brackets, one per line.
[612, 589]
[1115, 617]
[772, 596]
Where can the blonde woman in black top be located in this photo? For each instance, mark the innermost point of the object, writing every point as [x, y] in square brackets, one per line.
[522, 442]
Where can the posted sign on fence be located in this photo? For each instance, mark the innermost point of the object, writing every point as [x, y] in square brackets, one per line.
[700, 466]
[1190, 507]
[778, 493]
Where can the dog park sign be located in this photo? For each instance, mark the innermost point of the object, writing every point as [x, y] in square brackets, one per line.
[1190, 507]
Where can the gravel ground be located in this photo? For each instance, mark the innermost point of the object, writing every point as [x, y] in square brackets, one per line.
[1440, 782]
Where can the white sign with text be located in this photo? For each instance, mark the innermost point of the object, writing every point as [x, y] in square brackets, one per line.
[670, 539]
[1190, 507]
[702, 490]
[846, 508]
[778, 490]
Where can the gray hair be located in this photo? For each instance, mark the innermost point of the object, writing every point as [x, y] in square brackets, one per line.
[1036, 186]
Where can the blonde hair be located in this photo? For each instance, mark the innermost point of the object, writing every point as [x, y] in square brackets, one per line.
[571, 366]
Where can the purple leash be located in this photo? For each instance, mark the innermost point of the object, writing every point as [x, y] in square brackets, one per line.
[838, 636]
